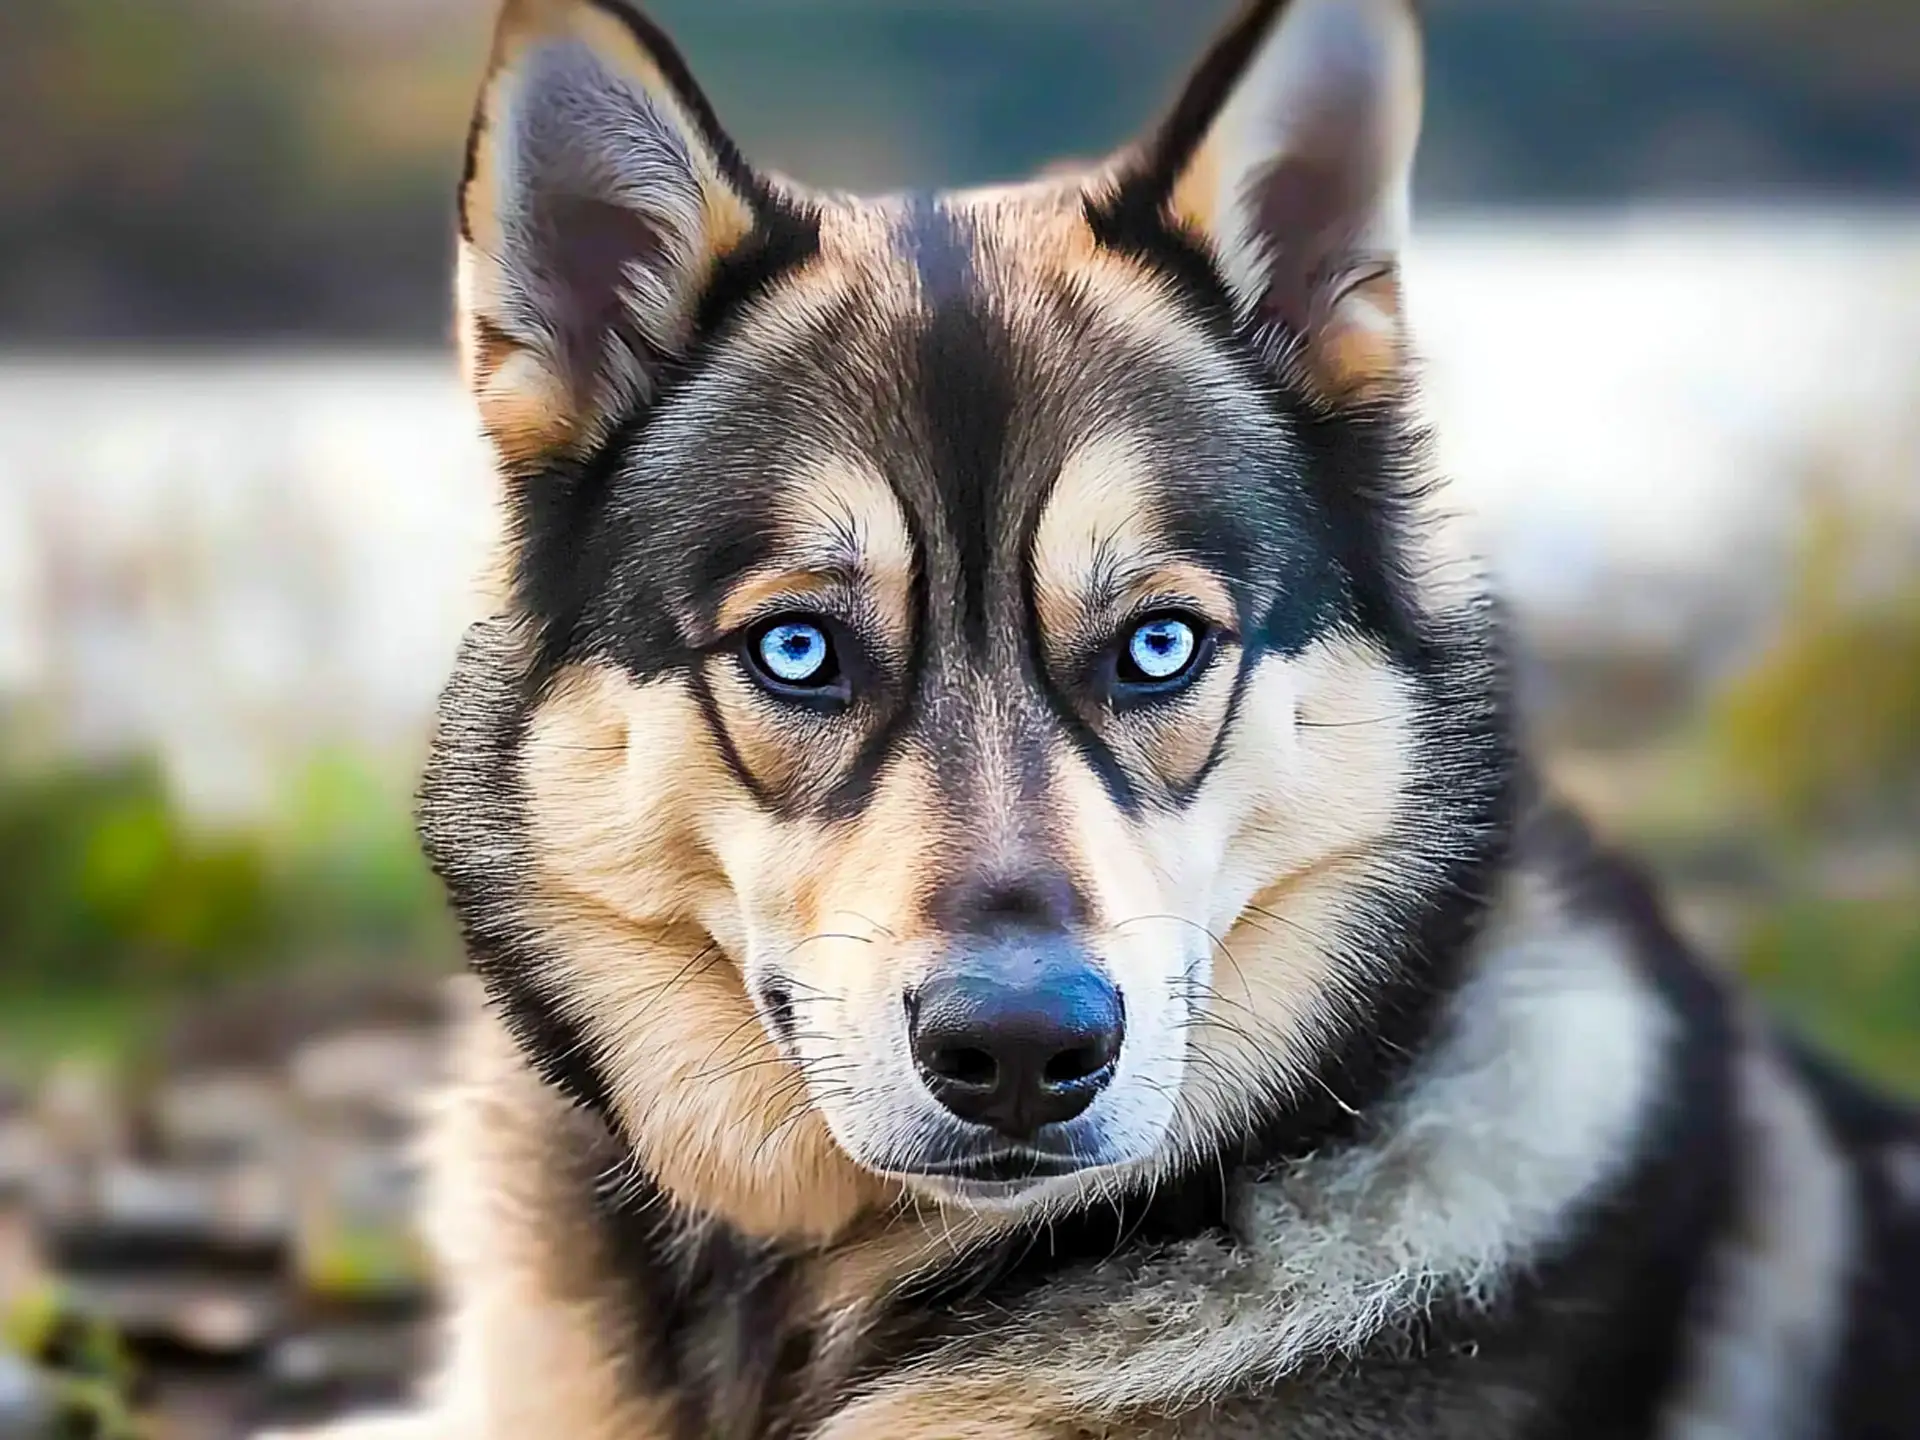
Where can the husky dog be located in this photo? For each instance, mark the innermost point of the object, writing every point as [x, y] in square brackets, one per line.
[989, 822]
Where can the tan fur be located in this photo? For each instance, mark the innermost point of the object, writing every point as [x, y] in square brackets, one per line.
[635, 837]
[514, 1370]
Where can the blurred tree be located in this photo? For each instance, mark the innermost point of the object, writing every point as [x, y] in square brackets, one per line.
[1824, 730]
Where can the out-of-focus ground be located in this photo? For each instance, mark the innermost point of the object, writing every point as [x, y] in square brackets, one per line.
[1667, 284]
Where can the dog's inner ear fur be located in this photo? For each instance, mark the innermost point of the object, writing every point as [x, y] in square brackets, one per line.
[1290, 156]
[599, 196]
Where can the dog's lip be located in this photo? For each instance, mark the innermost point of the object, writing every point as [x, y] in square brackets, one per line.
[1009, 1165]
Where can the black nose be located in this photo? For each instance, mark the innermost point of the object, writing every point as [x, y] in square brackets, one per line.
[1016, 1031]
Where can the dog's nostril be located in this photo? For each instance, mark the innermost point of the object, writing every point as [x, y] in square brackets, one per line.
[963, 1066]
[1080, 1063]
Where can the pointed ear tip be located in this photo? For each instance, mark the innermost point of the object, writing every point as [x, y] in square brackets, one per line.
[521, 21]
[536, 11]
[1389, 27]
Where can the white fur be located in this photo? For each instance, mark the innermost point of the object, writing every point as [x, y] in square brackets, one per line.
[1760, 1369]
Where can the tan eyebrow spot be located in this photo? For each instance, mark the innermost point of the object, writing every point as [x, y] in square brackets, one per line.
[1182, 580]
[1094, 522]
[762, 587]
[1097, 554]
[840, 527]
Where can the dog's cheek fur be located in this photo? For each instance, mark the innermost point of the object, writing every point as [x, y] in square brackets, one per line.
[628, 806]
[834, 912]
[617, 775]
[1270, 858]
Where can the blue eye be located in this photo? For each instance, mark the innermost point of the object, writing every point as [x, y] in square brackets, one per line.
[795, 655]
[1159, 651]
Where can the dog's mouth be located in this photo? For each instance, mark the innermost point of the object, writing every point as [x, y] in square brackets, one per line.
[992, 1169]
[1015, 1166]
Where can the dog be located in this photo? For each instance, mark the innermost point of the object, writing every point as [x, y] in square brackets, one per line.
[991, 823]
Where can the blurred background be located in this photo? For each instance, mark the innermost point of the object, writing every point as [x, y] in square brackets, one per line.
[1667, 281]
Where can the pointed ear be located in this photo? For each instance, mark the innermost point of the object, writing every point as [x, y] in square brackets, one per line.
[1289, 158]
[599, 200]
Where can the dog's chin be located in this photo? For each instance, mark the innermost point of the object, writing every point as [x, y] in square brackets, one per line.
[998, 1196]
[1050, 1192]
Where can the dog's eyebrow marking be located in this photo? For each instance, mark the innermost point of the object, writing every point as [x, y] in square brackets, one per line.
[756, 591]
[1096, 549]
[1094, 520]
[838, 527]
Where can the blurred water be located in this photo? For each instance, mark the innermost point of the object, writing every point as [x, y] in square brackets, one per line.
[233, 557]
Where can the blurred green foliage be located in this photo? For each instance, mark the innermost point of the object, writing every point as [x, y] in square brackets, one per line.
[1846, 973]
[1825, 730]
[105, 883]
[100, 882]
[88, 1372]
[1818, 743]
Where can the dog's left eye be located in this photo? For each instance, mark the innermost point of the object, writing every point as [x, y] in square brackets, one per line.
[796, 657]
[1159, 653]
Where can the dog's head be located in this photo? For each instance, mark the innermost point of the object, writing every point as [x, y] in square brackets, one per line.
[979, 709]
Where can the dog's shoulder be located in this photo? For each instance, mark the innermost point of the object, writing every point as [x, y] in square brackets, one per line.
[1875, 1393]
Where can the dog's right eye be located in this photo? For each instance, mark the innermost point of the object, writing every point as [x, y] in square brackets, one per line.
[795, 657]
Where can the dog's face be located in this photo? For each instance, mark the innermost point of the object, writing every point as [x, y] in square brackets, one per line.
[974, 712]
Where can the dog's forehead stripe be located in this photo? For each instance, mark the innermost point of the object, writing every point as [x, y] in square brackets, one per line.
[938, 241]
[964, 393]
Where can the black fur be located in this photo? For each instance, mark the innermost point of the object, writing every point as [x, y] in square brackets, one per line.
[711, 1317]
[1879, 1398]
[472, 825]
